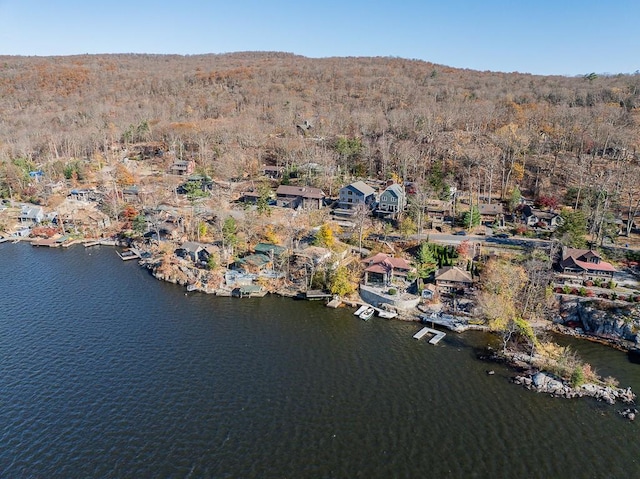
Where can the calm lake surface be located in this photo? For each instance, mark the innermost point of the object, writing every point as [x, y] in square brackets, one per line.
[107, 372]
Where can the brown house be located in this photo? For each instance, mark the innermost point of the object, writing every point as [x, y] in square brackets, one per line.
[182, 167]
[491, 212]
[382, 268]
[304, 197]
[451, 279]
[585, 264]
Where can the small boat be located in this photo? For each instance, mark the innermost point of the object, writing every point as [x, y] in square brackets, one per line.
[367, 313]
[387, 314]
[634, 355]
[361, 310]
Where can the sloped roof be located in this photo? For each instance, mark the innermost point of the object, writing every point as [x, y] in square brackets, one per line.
[395, 190]
[396, 263]
[258, 260]
[192, 246]
[362, 187]
[31, 212]
[453, 274]
[302, 191]
[491, 209]
[267, 248]
[578, 258]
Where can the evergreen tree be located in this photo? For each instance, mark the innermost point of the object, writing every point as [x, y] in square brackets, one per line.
[472, 217]
[427, 261]
[573, 229]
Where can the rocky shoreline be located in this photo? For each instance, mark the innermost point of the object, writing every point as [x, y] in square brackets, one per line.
[535, 380]
[543, 382]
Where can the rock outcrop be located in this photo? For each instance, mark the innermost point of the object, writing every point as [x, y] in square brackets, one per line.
[609, 320]
[546, 383]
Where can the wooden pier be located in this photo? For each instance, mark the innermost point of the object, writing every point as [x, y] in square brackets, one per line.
[437, 335]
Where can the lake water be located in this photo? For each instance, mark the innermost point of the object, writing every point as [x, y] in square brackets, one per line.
[107, 372]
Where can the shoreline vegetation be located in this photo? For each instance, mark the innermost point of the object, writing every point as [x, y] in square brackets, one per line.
[507, 202]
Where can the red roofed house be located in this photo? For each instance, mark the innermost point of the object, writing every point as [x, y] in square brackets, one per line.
[585, 264]
[382, 268]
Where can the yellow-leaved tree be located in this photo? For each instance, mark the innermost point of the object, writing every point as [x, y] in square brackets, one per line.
[503, 284]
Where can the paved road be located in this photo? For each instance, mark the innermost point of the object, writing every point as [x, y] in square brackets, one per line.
[444, 238]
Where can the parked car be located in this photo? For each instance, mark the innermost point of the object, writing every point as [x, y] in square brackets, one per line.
[501, 235]
[461, 233]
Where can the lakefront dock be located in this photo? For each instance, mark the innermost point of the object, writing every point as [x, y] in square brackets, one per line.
[437, 335]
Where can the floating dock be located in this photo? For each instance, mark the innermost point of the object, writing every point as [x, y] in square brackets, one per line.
[437, 335]
[334, 303]
[131, 253]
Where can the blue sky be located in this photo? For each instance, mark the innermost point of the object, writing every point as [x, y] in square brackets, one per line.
[564, 37]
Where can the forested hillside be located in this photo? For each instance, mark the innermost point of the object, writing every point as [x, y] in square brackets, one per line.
[574, 140]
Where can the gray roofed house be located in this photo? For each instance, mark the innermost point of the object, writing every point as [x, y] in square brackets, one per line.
[541, 219]
[30, 215]
[356, 193]
[194, 250]
[392, 200]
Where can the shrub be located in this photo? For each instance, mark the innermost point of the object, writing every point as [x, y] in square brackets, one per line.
[614, 296]
[611, 285]
[577, 377]
[597, 282]
[392, 291]
[582, 291]
[611, 382]
[566, 289]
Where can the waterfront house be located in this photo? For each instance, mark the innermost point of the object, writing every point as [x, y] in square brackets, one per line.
[452, 279]
[358, 193]
[584, 264]
[383, 269]
[193, 250]
[30, 215]
[254, 263]
[305, 197]
[393, 200]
